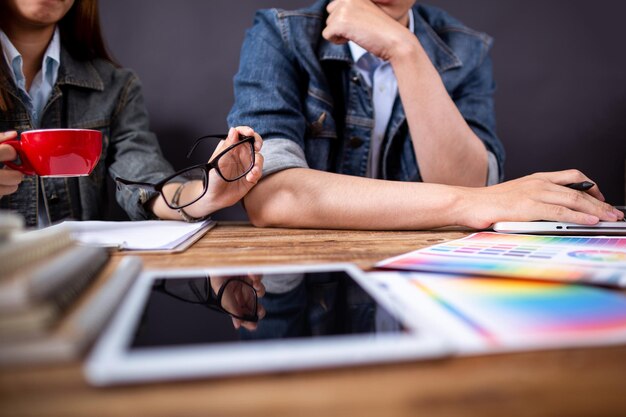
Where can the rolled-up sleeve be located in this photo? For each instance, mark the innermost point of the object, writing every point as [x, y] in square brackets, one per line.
[281, 154]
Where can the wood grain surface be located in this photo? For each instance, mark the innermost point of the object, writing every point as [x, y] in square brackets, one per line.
[574, 382]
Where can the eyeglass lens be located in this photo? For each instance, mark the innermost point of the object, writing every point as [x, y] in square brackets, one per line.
[239, 299]
[194, 182]
[237, 161]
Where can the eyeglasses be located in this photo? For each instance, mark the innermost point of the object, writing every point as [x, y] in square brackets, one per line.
[232, 164]
[234, 296]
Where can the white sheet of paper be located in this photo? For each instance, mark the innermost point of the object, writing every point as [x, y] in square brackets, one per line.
[134, 235]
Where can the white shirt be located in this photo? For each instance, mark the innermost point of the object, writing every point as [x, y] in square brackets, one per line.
[43, 83]
[379, 76]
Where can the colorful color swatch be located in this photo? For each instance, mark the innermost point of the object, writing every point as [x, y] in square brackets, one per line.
[512, 312]
[598, 260]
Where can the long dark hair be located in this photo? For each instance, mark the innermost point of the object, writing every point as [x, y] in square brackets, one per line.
[80, 36]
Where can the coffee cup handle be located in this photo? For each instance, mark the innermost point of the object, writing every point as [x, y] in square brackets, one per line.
[21, 162]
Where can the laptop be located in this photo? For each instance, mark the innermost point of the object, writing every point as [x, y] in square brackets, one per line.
[561, 228]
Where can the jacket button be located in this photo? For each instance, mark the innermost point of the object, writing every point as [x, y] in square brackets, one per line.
[355, 142]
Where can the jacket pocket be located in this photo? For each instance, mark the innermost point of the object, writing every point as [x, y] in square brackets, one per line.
[318, 113]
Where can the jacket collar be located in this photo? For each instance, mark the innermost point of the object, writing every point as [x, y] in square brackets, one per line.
[440, 54]
[78, 73]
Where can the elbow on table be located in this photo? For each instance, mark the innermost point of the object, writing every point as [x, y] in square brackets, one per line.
[259, 219]
[276, 202]
[265, 213]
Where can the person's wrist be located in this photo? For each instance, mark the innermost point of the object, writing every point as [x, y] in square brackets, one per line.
[190, 213]
[467, 210]
[405, 47]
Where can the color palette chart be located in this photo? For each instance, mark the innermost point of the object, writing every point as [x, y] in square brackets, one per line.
[598, 260]
[519, 313]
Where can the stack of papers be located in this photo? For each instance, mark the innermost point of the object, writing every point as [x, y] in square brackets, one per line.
[149, 235]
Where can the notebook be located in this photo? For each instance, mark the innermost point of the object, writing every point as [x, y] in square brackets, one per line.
[79, 327]
[33, 298]
[151, 235]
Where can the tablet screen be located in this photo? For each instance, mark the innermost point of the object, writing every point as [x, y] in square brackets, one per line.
[206, 309]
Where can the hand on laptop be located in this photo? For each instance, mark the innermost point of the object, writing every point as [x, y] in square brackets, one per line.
[540, 196]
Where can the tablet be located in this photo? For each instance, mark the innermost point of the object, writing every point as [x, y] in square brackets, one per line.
[559, 228]
[193, 323]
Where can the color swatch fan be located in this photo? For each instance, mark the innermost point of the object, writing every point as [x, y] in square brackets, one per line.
[483, 315]
[595, 260]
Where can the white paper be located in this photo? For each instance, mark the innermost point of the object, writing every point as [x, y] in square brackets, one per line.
[134, 235]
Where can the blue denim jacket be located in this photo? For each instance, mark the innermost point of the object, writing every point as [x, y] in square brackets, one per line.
[304, 96]
[91, 95]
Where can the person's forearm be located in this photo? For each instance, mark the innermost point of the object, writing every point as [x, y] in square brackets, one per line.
[308, 198]
[447, 150]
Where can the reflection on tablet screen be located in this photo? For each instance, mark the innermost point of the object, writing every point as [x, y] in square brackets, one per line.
[208, 309]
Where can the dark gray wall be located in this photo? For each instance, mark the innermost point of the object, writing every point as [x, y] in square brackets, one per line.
[560, 66]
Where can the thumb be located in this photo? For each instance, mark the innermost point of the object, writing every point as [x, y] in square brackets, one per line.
[7, 153]
[11, 134]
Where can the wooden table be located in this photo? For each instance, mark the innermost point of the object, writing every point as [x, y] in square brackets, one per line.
[576, 382]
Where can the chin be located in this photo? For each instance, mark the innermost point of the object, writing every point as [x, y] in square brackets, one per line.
[395, 8]
[44, 12]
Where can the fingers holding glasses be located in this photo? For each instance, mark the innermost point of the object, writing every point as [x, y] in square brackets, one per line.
[248, 131]
[257, 170]
[249, 325]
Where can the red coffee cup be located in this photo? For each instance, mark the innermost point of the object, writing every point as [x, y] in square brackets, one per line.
[56, 152]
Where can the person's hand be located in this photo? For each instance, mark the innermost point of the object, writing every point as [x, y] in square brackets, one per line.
[220, 193]
[236, 298]
[9, 178]
[366, 24]
[541, 196]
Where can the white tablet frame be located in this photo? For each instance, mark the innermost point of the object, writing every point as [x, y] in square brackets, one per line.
[111, 362]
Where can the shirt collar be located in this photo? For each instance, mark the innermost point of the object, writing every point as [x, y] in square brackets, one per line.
[357, 52]
[52, 58]
[13, 58]
[50, 63]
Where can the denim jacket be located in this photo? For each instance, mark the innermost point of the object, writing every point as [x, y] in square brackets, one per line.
[91, 95]
[304, 96]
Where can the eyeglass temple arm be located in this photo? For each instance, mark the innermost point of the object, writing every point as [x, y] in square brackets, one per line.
[220, 136]
[200, 139]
